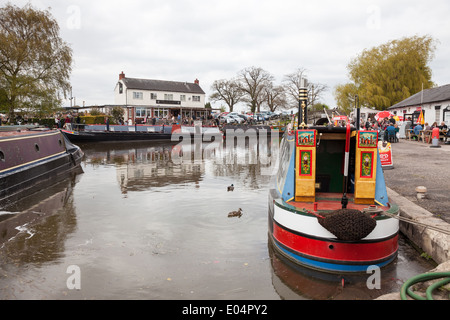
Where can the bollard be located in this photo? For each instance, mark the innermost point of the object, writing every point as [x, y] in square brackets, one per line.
[421, 192]
[435, 138]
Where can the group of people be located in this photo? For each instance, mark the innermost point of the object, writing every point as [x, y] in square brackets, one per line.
[64, 122]
[426, 126]
[387, 125]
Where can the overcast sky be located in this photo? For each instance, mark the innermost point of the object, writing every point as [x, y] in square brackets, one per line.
[181, 40]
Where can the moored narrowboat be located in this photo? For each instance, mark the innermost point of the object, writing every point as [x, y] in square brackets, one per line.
[329, 209]
[32, 159]
[322, 218]
[117, 133]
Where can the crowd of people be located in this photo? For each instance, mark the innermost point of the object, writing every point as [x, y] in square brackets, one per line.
[389, 127]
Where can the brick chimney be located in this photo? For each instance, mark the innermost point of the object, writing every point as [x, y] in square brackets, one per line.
[197, 82]
[121, 76]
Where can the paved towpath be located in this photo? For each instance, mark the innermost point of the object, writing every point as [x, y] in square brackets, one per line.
[416, 164]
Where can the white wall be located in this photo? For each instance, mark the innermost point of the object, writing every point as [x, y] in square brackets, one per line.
[430, 111]
[126, 98]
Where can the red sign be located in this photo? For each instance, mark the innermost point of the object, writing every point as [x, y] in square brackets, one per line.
[385, 154]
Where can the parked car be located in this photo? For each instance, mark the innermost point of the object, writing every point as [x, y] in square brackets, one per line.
[246, 117]
[227, 119]
[259, 117]
[266, 114]
[236, 118]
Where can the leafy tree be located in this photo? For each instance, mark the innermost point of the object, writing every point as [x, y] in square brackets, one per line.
[117, 113]
[227, 91]
[253, 82]
[389, 73]
[35, 63]
[344, 95]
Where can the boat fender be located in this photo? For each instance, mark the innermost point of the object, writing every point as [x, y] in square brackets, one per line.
[348, 224]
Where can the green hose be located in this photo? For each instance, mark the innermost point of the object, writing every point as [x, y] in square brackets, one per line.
[421, 278]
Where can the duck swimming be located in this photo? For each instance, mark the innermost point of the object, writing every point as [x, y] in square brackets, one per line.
[230, 188]
[235, 213]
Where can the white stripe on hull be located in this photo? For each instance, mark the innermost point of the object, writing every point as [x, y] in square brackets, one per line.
[309, 225]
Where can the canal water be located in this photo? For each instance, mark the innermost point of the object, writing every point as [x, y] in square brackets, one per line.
[149, 220]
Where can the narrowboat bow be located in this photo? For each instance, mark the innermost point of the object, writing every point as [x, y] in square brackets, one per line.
[33, 159]
[326, 211]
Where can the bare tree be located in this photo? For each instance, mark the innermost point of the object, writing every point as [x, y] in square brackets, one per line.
[253, 82]
[275, 97]
[292, 85]
[228, 91]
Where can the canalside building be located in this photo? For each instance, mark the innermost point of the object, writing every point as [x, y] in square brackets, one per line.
[144, 99]
[434, 103]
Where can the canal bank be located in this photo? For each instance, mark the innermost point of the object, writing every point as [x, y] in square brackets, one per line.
[419, 165]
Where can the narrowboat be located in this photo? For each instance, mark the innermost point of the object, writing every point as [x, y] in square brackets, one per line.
[30, 159]
[329, 209]
[101, 133]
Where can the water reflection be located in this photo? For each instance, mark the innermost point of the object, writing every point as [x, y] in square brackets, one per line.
[142, 166]
[37, 226]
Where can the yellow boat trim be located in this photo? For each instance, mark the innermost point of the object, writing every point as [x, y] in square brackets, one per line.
[28, 137]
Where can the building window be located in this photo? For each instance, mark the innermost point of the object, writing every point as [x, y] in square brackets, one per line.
[153, 96]
[438, 114]
[138, 95]
[160, 112]
[142, 112]
[182, 97]
[168, 96]
[120, 88]
[196, 98]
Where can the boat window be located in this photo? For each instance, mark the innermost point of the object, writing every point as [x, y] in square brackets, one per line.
[36, 147]
[2, 156]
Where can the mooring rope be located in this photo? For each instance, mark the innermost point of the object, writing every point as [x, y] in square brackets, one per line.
[408, 220]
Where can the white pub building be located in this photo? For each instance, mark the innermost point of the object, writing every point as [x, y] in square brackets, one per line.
[434, 103]
[145, 99]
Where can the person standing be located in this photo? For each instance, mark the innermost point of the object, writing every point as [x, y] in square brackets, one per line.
[107, 123]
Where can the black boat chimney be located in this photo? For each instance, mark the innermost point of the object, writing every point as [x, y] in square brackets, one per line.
[358, 113]
[303, 103]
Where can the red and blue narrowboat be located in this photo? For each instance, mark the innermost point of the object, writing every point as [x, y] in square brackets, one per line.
[326, 211]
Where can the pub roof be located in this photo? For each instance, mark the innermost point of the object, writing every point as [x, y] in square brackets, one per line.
[162, 85]
[431, 95]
